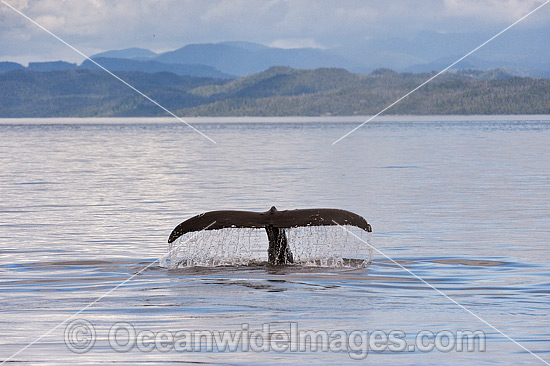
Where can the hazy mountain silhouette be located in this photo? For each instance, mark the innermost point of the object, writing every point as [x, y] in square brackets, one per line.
[151, 66]
[522, 51]
[51, 66]
[243, 58]
[130, 53]
[7, 66]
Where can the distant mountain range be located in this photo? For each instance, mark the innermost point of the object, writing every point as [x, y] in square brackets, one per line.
[219, 60]
[242, 58]
[243, 78]
[523, 52]
[133, 53]
[151, 66]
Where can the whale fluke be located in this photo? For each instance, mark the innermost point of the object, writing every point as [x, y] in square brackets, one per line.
[274, 222]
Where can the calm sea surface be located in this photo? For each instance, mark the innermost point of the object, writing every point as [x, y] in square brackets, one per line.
[86, 208]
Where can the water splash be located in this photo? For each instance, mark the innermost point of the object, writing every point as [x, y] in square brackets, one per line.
[322, 246]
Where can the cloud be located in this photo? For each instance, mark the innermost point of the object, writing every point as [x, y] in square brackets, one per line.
[496, 11]
[97, 25]
[290, 43]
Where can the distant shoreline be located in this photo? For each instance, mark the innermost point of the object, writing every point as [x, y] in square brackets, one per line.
[282, 120]
[278, 91]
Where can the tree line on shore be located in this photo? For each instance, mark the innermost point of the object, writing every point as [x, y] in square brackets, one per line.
[278, 91]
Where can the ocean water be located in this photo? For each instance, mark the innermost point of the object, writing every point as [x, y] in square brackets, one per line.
[460, 210]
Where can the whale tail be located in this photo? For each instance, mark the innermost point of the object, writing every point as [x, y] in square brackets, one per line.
[274, 222]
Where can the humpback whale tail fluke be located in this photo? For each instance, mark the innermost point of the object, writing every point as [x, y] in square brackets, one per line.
[274, 222]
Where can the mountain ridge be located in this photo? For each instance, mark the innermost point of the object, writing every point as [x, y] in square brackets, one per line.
[420, 52]
[153, 66]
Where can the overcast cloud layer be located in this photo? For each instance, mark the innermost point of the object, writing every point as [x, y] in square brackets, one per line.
[98, 25]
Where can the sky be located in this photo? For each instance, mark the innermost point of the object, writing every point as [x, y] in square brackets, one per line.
[94, 26]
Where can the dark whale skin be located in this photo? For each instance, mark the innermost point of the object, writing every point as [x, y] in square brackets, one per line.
[215, 220]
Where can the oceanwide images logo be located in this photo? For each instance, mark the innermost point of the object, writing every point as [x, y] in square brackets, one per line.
[80, 337]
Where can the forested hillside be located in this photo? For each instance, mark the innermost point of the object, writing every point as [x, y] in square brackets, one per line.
[278, 91]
